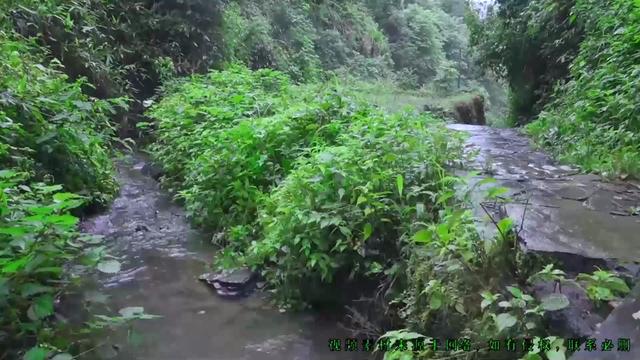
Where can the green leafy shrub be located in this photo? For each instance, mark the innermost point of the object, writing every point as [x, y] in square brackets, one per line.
[603, 285]
[196, 108]
[50, 127]
[340, 214]
[595, 118]
[226, 181]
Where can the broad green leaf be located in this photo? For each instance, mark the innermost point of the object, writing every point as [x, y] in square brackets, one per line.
[368, 230]
[400, 184]
[485, 303]
[555, 301]
[494, 192]
[59, 197]
[30, 289]
[47, 189]
[7, 174]
[484, 181]
[109, 266]
[41, 307]
[618, 284]
[423, 236]
[558, 350]
[517, 293]
[131, 311]
[67, 220]
[505, 225]
[435, 302]
[36, 353]
[16, 265]
[505, 320]
[14, 231]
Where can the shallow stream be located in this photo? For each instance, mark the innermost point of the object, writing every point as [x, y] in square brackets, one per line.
[162, 257]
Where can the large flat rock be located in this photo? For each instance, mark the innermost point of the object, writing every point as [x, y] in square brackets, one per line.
[566, 212]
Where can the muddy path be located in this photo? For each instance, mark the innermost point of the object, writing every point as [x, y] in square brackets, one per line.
[162, 257]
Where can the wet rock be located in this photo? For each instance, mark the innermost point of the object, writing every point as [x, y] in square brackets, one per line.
[231, 283]
[579, 319]
[152, 170]
[622, 323]
[141, 227]
[573, 193]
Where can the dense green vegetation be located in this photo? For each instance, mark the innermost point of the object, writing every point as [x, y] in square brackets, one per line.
[581, 63]
[325, 195]
[55, 139]
[50, 128]
[595, 118]
[293, 132]
[263, 161]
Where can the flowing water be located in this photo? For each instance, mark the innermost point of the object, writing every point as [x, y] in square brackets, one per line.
[162, 257]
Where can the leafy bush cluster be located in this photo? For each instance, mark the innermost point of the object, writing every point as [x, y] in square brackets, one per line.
[38, 240]
[196, 107]
[305, 191]
[341, 214]
[52, 137]
[49, 127]
[594, 120]
[242, 162]
[457, 287]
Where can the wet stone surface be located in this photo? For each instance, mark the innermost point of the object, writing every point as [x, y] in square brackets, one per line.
[232, 283]
[579, 320]
[566, 212]
[622, 323]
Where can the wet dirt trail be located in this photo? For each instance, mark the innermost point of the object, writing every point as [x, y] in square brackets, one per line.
[162, 257]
